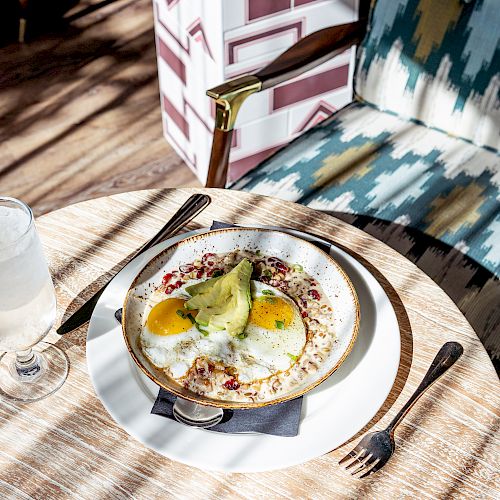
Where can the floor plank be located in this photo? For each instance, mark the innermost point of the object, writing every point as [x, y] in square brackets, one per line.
[80, 112]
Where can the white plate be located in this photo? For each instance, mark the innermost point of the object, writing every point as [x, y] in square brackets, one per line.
[331, 414]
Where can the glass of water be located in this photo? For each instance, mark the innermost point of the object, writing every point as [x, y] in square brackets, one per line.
[29, 369]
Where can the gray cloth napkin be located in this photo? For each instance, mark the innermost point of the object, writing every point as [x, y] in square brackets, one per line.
[279, 420]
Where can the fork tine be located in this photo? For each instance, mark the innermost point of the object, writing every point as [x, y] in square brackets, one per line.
[360, 458]
[362, 463]
[374, 467]
[354, 453]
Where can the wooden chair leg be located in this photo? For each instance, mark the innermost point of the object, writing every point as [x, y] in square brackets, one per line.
[22, 30]
[219, 158]
[228, 99]
[21, 34]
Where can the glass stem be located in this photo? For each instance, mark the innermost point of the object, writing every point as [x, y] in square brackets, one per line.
[27, 363]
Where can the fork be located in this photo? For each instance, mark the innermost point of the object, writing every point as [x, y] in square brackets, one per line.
[375, 449]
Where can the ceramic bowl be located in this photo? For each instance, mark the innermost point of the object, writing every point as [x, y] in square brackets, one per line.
[286, 247]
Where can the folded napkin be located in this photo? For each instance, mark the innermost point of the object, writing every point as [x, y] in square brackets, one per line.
[279, 420]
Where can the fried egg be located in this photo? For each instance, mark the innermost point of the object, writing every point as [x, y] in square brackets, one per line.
[275, 335]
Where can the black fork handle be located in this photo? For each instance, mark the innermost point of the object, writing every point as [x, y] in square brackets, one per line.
[445, 359]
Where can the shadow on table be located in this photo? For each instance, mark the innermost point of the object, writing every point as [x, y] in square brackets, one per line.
[367, 331]
[474, 289]
[92, 248]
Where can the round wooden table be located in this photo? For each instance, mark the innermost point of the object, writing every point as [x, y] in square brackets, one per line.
[68, 445]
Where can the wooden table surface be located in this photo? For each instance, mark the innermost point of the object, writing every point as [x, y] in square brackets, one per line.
[67, 445]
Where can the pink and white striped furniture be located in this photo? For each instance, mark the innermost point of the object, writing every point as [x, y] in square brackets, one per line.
[201, 43]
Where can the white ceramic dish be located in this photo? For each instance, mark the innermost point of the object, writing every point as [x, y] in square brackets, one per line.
[316, 263]
[331, 414]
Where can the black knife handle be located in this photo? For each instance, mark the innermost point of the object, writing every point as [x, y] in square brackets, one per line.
[193, 206]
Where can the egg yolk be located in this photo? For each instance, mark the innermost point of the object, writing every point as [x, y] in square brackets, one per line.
[169, 318]
[267, 311]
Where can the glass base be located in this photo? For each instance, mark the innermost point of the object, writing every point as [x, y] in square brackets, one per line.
[42, 377]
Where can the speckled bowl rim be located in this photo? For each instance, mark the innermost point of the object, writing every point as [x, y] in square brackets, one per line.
[241, 405]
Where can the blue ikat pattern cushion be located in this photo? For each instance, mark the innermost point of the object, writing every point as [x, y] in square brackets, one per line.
[363, 161]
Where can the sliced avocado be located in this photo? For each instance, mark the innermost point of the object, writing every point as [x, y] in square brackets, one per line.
[233, 319]
[202, 287]
[204, 316]
[214, 296]
[225, 305]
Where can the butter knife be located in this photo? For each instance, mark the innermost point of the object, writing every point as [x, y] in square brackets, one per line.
[193, 206]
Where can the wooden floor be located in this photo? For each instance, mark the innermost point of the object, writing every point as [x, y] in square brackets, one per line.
[80, 113]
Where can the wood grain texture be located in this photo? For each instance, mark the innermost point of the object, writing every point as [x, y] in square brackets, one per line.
[311, 51]
[68, 446]
[219, 158]
[80, 111]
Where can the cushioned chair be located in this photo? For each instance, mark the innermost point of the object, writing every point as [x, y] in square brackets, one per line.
[414, 159]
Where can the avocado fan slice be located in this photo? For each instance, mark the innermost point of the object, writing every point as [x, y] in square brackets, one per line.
[223, 303]
[202, 287]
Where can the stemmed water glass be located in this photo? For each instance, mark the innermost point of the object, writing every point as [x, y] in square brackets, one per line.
[29, 369]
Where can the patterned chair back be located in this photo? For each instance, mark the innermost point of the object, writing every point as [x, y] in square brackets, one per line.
[435, 61]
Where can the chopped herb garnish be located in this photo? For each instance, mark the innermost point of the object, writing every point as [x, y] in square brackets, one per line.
[201, 330]
[191, 318]
[267, 292]
[258, 252]
[217, 273]
[242, 336]
[263, 298]
[180, 313]
[292, 357]
[298, 268]
[280, 324]
[267, 273]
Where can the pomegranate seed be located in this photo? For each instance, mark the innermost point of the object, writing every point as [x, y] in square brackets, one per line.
[207, 256]
[304, 314]
[210, 272]
[199, 274]
[187, 268]
[314, 294]
[166, 278]
[231, 384]
[169, 289]
[201, 371]
[281, 267]
[211, 367]
[210, 263]
[177, 284]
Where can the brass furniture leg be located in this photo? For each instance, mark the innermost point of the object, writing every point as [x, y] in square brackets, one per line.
[228, 99]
